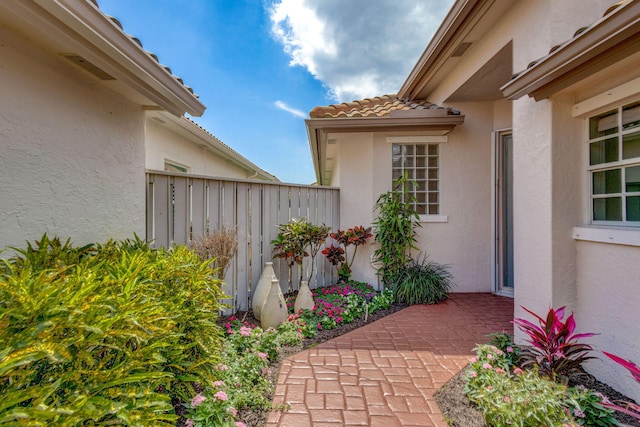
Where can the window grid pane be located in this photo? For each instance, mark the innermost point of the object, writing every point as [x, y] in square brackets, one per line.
[615, 187]
[420, 163]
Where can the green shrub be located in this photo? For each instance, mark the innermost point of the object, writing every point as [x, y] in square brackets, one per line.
[504, 341]
[524, 399]
[98, 335]
[421, 282]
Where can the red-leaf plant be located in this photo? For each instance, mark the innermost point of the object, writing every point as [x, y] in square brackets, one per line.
[629, 408]
[355, 236]
[554, 346]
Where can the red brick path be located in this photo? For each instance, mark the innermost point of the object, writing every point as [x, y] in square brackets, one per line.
[386, 373]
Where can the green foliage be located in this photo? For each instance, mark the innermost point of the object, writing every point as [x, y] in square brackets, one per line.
[103, 334]
[504, 341]
[297, 240]
[523, 399]
[394, 228]
[341, 303]
[243, 374]
[421, 282]
[337, 255]
[587, 409]
[555, 348]
[382, 301]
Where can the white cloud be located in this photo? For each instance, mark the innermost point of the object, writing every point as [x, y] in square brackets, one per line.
[357, 48]
[295, 112]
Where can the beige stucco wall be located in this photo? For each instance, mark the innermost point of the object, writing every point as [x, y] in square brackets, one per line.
[608, 302]
[161, 143]
[598, 281]
[72, 153]
[464, 241]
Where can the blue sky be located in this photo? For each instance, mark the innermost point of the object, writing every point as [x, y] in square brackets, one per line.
[260, 66]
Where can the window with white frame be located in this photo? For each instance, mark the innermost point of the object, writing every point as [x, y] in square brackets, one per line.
[420, 162]
[614, 166]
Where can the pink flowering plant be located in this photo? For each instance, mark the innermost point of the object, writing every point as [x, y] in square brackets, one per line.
[342, 303]
[508, 395]
[244, 372]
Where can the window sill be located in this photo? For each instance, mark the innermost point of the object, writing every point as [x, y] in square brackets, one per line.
[614, 236]
[434, 218]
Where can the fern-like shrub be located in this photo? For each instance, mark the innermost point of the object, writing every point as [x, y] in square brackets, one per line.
[104, 335]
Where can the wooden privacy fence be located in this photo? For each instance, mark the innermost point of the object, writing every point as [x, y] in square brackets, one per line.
[182, 207]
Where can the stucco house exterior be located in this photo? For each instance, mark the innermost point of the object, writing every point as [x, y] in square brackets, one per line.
[178, 144]
[84, 110]
[521, 123]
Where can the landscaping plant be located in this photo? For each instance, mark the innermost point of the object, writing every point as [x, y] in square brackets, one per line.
[342, 303]
[243, 372]
[218, 247]
[337, 255]
[421, 282]
[297, 240]
[104, 336]
[520, 397]
[629, 408]
[504, 341]
[554, 348]
[394, 228]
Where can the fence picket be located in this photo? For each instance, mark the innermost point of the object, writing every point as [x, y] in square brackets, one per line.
[182, 207]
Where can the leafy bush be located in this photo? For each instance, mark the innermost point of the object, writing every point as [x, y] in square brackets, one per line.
[523, 399]
[355, 237]
[589, 408]
[104, 334]
[504, 341]
[297, 240]
[554, 349]
[421, 282]
[341, 303]
[243, 374]
[394, 227]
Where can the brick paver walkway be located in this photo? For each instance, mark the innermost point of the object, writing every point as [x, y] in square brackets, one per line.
[386, 373]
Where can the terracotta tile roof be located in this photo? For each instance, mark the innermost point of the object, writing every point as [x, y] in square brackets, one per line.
[137, 41]
[579, 31]
[380, 106]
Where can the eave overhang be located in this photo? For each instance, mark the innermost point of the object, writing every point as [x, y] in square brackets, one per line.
[79, 27]
[607, 41]
[318, 130]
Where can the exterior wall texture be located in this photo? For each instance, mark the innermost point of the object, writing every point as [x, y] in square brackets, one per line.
[162, 144]
[464, 241]
[72, 152]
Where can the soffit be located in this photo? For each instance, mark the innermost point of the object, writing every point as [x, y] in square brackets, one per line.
[609, 41]
[467, 22]
[80, 33]
[485, 83]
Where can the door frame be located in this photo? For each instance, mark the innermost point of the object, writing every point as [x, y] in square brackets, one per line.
[496, 266]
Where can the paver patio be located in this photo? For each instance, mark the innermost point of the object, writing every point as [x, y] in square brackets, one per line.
[386, 373]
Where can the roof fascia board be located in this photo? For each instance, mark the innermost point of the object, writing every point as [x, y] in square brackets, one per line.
[357, 124]
[608, 40]
[102, 42]
[437, 50]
